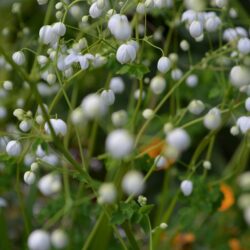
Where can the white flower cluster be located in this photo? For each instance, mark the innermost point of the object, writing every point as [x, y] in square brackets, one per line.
[198, 22]
[40, 239]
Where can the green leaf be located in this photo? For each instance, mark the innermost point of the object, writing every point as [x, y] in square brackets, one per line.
[144, 224]
[136, 70]
[214, 93]
[145, 210]
[124, 212]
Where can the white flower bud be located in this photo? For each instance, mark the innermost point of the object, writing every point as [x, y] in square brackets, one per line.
[59, 126]
[34, 167]
[42, 60]
[19, 58]
[77, 116]
[244, 124]
[168, 127]
[179, 139]
[126, 53]
[157, 85]
[82, 43]
[95, 11]
[247, 215]
[59, 239]
[59, 5]
[51, 159]
[59, 28]
[85, 19]
[186, 187]
[59, 15]
[149, 3]
[3, 112]
[13, 148]
[244, 45]
[196, 29]
[141, 8]
[107, 193]
[160, 161]
[184, 45]
[117, 85]
[192, 81]
[93, 106]
[119, 118]
[142, 200]
[42, 2]
[47, 35]
[207, 165]
[76, 11]
[243, 180]
[3, 202]
[39, 119]
[132, 183]
[212, 120]
[233, 13]
[163, 226]
[195, 5]
[99, 61]
[138, 93]
[173, 58]
[160, 3]
[119, 27]
[40, 152]
[239, 76]
[212, 23]
[196, 107]
[19, 114]
[25, 125]
[39, 240]
[244, 200]
[100, 4]
[221, 3]
[119, 143]
[163, 64]
[29, 177]
[49, 184]
[110, 13]
[176, 74]
[234, 130]
[8, 85]
[108, 97]
[51, 78]
[68, 72]
[247, 104]
[148, 113]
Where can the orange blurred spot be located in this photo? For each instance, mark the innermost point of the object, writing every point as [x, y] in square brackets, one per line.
[183, 240]
[154, 148]
[234, 244]
[228, 199]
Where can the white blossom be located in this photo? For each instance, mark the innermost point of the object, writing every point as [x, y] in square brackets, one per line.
[126, 53]
[132, 183]
[212, 120]
[179, 139]
[29, 177]
[158, 85]
[59, 239]
[19, 58]
[13, 148]
[119, 27]
[119, 143]
[107, 193]
[186, 187]
[39, 240]
[93, 106]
